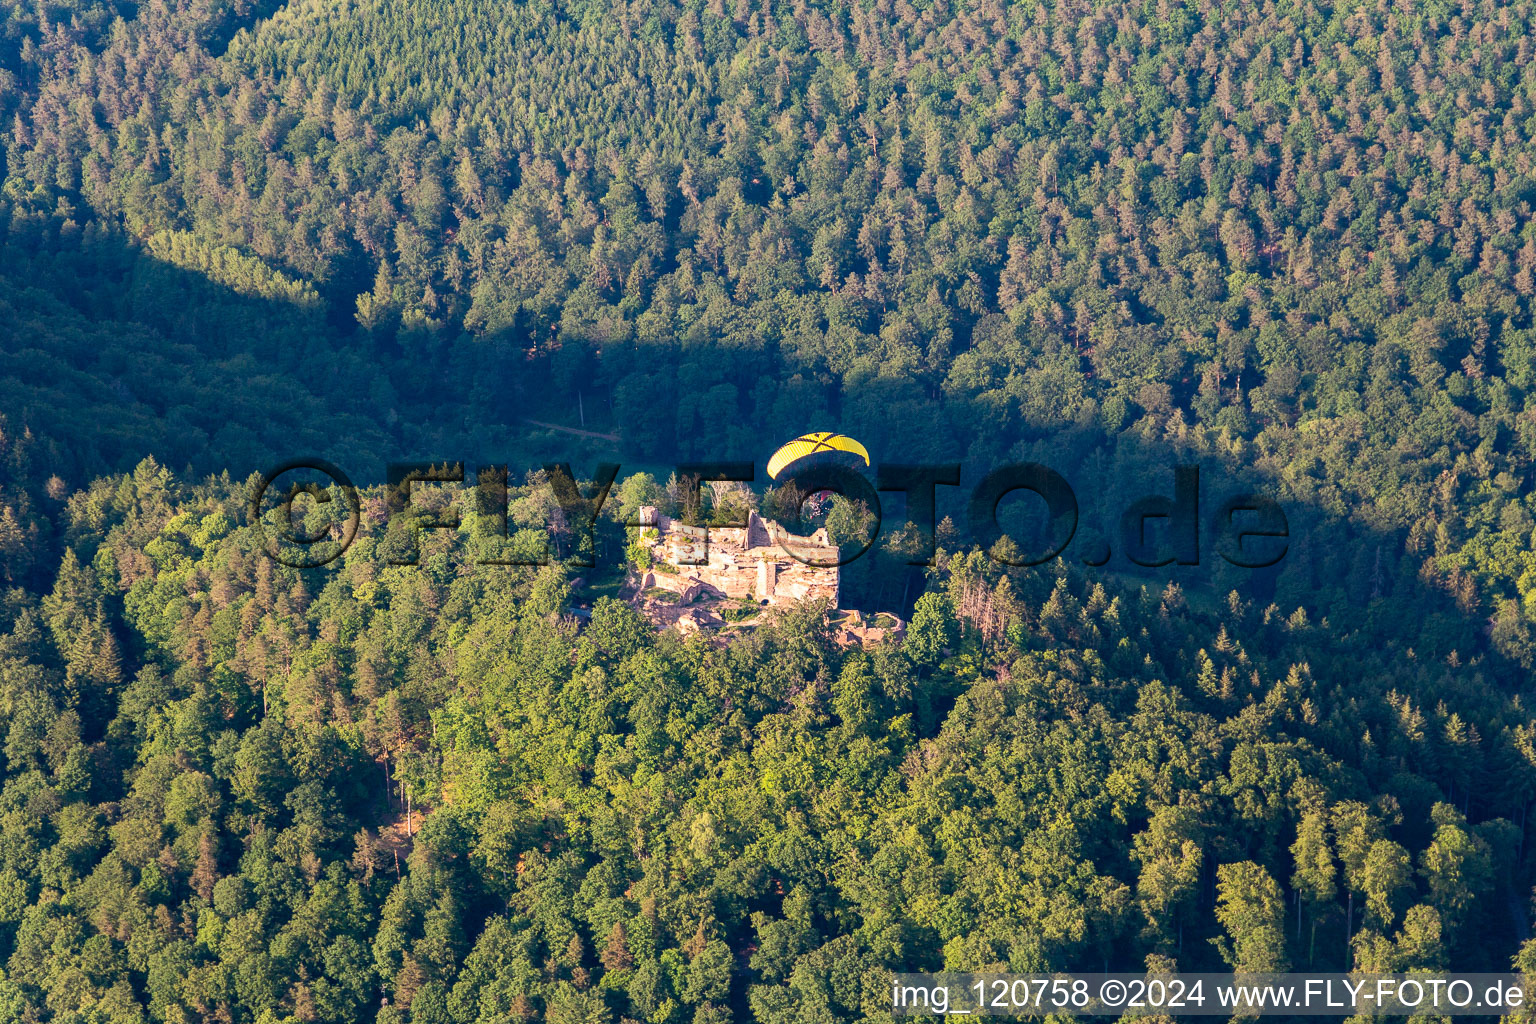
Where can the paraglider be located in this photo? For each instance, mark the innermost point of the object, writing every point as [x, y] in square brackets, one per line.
[819, 448]
[817, 451]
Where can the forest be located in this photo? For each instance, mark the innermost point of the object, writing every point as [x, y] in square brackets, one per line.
[1288, 242]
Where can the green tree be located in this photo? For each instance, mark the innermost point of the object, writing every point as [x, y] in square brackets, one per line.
[1314, 878]
[1251, 909]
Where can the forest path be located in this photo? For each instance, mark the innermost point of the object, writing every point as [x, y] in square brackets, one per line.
[572, 430]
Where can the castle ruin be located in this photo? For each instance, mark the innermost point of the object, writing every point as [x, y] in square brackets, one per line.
[761, 562]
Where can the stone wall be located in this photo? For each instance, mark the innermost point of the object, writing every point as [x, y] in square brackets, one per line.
[761, 562]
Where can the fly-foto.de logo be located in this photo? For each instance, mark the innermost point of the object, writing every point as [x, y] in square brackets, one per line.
[1248, 530]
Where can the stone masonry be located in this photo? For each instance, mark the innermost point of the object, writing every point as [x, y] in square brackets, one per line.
[754, 562]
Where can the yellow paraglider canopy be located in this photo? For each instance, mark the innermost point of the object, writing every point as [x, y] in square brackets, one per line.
[814, 444]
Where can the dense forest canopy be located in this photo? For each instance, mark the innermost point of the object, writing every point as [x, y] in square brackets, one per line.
[1291, 243]
[1289, 238]
[241, 791]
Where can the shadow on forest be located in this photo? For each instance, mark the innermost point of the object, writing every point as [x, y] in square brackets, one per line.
[110, 355]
